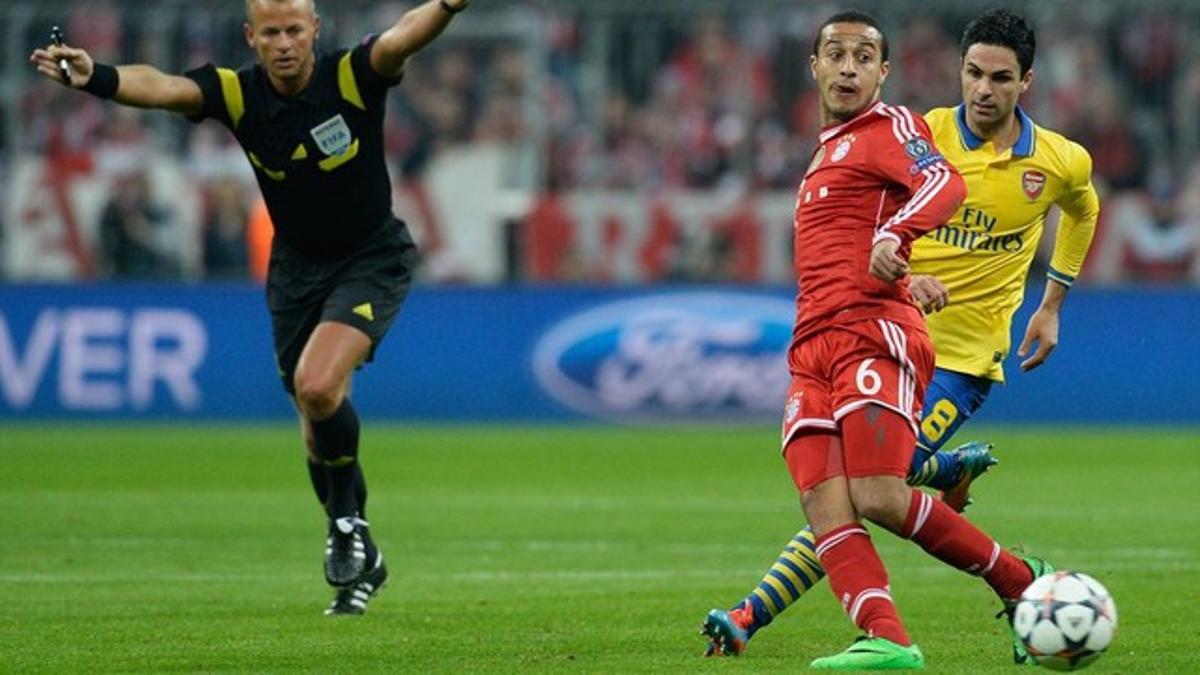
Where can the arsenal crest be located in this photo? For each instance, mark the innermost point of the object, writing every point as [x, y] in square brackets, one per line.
[1033, 182]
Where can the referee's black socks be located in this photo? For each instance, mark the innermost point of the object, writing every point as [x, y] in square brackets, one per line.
[319, 476]
[336, 444]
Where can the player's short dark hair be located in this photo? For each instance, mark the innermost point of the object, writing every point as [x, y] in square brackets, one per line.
[853, 16]
[1002, 28]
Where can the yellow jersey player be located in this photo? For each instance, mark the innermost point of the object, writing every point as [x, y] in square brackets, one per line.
[1015, 172]
[969, 275]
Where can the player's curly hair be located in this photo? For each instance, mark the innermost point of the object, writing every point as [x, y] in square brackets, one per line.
[1002, 28]
[853, 16]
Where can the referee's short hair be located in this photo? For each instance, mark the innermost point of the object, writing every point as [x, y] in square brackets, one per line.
[311, 3]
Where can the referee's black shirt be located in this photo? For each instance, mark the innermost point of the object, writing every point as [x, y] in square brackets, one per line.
[318, 155]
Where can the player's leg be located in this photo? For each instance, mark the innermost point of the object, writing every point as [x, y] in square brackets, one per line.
[797, 568]
[302, 340]
[319, 476]
[857, 575]
[794, 572]
[322, 381]
[879, 375]
[948, 536]
[806, 411]
[349, 599]
[365, 300]
[950, 400]
[885, 499]
[353, 563]
[820, 466]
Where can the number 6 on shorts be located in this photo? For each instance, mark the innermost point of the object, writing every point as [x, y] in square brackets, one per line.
[868, 381]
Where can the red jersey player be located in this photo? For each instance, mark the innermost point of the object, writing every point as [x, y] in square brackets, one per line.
[860, 357]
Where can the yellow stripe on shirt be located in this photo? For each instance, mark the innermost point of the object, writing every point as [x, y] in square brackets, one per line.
[231, 91]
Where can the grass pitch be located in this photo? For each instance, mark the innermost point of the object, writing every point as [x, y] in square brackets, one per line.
[546, 549]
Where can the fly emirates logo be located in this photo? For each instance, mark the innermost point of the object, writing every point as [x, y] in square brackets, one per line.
[975, 231]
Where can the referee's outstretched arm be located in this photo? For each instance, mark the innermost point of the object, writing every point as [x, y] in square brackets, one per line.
[417, 28]
[144, 86]
[141, 86]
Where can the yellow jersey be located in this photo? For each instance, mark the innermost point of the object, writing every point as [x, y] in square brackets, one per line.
[983, 253]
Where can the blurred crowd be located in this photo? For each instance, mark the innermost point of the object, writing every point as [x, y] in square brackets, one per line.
[662, 104]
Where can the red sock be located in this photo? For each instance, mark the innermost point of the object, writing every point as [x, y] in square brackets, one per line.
[859, 581]
[952, 539]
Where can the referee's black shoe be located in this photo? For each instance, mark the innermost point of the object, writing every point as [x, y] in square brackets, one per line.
[345, 551]
[352, 600]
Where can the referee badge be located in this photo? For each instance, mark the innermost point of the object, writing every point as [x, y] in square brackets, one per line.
[332, 136]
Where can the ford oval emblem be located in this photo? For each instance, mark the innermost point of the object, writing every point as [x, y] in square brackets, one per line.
[697, 356]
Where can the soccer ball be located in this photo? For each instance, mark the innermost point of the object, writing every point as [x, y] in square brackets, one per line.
[1065, 619]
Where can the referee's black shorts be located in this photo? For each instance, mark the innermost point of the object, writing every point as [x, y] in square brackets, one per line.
[364, 290]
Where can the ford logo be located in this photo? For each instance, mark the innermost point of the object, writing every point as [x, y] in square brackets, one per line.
[707, 356]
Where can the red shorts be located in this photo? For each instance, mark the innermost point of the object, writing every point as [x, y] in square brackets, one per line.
[843, 369]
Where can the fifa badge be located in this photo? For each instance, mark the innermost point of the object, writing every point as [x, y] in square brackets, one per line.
[332, 136]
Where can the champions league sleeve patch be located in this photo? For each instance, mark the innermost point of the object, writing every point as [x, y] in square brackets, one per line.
[922, 153]
[917, 148]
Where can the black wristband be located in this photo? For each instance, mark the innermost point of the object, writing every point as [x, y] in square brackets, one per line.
[451, 8]
[104, 81]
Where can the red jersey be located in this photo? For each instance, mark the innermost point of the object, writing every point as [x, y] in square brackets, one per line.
[876, 176]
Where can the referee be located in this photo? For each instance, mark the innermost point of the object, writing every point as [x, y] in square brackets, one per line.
[311, 124]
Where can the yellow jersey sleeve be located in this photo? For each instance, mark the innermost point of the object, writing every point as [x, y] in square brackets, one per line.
[1080, 211]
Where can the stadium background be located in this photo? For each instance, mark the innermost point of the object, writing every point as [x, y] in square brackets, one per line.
[603, 191]
[553, 159]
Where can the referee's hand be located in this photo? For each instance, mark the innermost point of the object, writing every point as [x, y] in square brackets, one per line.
[46, 61]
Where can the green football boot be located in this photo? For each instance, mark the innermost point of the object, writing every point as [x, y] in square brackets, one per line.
[873, 654]
[1021, 656]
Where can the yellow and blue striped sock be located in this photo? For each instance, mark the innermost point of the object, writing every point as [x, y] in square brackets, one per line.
[939, 470]
[797, 570]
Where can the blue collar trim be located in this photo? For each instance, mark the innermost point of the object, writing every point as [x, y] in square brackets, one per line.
[1024, 146]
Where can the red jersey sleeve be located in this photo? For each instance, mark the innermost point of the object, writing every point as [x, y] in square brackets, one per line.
[909, 158]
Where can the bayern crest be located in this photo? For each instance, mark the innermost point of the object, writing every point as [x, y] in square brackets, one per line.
[1033, 182]
[843, 148]
[793, 407]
